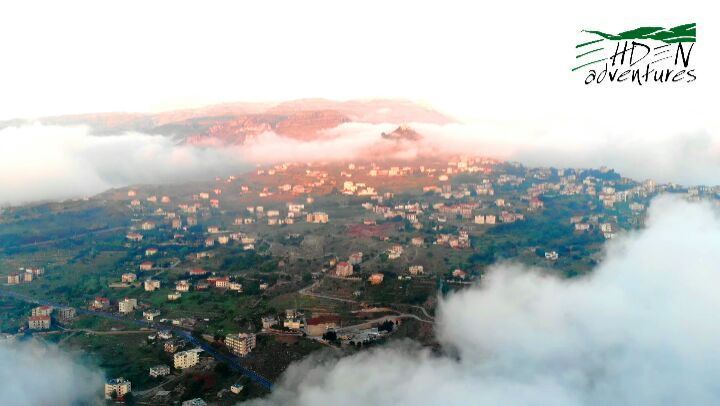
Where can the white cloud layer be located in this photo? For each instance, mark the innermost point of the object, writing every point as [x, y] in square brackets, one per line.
[641, 329]
[35, 374]
[52, 162]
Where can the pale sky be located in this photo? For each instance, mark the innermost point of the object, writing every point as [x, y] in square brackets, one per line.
[472, 60]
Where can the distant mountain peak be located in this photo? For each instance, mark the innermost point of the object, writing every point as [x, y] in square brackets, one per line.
[403, 132]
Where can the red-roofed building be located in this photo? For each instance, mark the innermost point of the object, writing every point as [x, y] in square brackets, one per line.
[317, 326]
[39, 322]
[198, 272]
[219, 281]
[344, 269]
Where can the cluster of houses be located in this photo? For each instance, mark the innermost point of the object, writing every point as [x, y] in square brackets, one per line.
[41, 316]
[24, 275]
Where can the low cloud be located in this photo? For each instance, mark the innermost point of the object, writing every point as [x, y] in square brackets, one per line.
[641, 329]
[52, 162]
[664, 154]
[36, 374]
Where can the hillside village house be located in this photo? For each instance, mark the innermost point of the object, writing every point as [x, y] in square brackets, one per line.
[159, 370]
[42, 311]
[151, 251]
[150, 315]
[129, 277]
[127, 305]
[182, 286]
[240, 344]
[344, 269]
[65, 314]
[186, 359]
[416, 270]
[355, 258]
[151, 285]
[117, 388]
[13, 279]
[174, 296]
[376, 278]
[395, 251]
[147, 225]
[459, 273]
[100, 303]
[219, 281]
[39, 322]
[317, 217]
[27, 277]
[268, 322]
[134, 237]
[317, 326]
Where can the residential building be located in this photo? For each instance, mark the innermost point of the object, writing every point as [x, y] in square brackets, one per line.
[117, 388]
[268, 322]
[186, 359]
[42, 311]
[355, 258]
[100, 303]
[127, 305]
[344, 269]
[39, 322]
[317, 326]
[376, 278]
[65, 314]
[150, 315]
[151, 285]
[13, 279]
[317, 217]
[159, 370]
[416, 270]
[130, 277]
[241, 344]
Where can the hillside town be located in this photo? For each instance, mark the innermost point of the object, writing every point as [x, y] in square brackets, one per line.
[225, 283]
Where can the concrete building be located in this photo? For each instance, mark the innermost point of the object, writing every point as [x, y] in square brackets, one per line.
[150, 315]
[65, 314]
[117, 388]
[317, 326]
[13, 279]
[344, 269]
[376, 278]
[186, 359]
[317, 217]
[159, 370]
[241, 344]
[151, 285]
[127, 305]
[42, 311]
[129, 277]
[39, 322]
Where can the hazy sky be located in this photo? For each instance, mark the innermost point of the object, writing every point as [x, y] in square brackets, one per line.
[474, 60]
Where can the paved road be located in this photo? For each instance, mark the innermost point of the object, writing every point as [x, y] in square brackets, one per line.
[232, 361]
